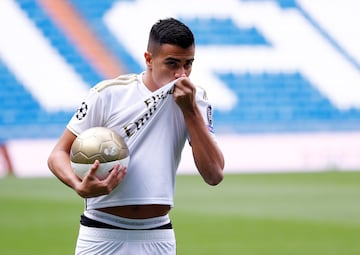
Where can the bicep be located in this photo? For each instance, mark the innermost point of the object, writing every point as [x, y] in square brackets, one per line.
[65, 141]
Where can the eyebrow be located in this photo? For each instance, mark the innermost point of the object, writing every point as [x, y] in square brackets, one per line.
[173, 59]
[178, 60]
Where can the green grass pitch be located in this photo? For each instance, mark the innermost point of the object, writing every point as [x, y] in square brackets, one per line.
[252, 214]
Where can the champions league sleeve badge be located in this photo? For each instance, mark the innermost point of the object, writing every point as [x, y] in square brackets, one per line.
[209, 114]
[81, 111]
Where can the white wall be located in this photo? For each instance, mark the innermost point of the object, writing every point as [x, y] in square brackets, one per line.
[243, 154]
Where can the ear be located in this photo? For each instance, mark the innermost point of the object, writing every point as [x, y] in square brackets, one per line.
[148, 59]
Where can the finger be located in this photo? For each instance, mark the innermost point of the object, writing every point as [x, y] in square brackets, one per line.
[188, 85]
[179, 82]
[179, 89]
[113, 171]
[94, 167]
[121, 173]
[116, 175]
[185, 86]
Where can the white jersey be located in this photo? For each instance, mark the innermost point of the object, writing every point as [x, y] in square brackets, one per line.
[153, 127]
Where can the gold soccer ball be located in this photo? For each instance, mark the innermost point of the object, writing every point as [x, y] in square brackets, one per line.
[98, 143]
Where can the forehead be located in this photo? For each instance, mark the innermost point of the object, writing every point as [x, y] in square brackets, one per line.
[176, 52]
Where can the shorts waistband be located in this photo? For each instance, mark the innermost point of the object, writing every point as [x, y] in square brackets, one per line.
[102, 234]
[125, 222]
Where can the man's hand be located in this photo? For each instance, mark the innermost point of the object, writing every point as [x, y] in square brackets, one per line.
[92, 186]
[184, 94]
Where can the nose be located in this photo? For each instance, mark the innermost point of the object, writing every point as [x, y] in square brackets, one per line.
[180, 72]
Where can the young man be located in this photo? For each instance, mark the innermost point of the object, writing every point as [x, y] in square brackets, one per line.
[155, 112]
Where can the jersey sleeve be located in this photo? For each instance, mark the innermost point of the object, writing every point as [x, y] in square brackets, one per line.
[206, 109]
[90, 113]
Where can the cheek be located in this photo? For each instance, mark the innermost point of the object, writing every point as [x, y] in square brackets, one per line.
[163, 75]
[165, 79]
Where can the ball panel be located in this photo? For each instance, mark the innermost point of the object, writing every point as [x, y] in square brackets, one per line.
[90, 146]
[111, 151]
[98, 143]
[103, 170]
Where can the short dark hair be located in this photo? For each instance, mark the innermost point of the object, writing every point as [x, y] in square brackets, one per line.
[170, 31]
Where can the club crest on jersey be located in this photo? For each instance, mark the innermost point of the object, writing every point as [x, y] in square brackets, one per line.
[81, 111]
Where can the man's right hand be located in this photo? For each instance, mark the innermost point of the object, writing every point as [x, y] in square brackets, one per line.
[92, 186]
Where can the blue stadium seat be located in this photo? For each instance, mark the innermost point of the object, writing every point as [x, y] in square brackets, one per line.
[223, 32]
[267, 102]
[280, 102]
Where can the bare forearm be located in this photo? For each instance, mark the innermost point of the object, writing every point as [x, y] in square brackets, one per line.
[59, 165]
[207, 155]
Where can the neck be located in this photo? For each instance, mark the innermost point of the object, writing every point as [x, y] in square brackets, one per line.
[148, 82]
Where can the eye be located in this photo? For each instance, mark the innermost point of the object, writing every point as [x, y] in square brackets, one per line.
[172, 64]
[188, 64]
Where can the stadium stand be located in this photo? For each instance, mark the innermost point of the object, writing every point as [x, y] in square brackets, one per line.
[268, 101]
